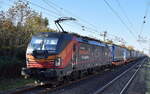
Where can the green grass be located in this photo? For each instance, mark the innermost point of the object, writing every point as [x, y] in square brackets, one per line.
[6, 84]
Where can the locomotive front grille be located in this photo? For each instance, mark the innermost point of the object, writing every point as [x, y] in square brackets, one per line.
[40, 54]
[38, 64]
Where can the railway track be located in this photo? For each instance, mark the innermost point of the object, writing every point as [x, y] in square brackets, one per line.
[25, 89]
[45, 89]
[42, 89]
[110, 86]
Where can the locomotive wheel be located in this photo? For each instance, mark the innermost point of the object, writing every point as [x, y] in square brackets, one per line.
[74, 75]
[66, 79]
[82, 74]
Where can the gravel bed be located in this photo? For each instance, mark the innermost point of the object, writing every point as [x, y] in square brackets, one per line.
[141, 83]
[119, 84]
[90, 85]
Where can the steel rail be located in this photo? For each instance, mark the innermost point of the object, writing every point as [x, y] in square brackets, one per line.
[50, 88]
[112, 81]
[130, 80]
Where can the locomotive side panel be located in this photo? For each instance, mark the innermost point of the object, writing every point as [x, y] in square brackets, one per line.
[56, 55]
[90, 56]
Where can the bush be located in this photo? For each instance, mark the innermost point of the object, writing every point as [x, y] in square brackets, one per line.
[10, 66]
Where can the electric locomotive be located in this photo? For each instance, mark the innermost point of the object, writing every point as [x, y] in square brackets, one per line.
[57, 55]
[53, 55]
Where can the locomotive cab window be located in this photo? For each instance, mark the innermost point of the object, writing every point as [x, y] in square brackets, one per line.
[43, 43]
[50, 43]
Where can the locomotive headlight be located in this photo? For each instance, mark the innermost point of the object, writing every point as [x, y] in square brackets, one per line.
[58, 61]
[29, 50]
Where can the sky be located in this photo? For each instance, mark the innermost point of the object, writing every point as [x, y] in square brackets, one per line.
[124, 22]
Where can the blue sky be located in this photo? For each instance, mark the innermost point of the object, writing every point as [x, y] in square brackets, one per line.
[97, 13]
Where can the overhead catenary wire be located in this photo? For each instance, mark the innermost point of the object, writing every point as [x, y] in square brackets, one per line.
[144, 20]
[51, 6]
[124, 12]
[79, 29]
[121, 20]
[67, 11]
[84, 27]
[50, 15]
[141, 39]
[94, 30]
[48, 10]
[55, 6]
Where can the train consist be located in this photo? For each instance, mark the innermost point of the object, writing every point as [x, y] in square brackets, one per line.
[57, 55]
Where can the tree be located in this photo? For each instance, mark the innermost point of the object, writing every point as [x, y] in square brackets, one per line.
[36, 23]
[19, 12]
[17, 26]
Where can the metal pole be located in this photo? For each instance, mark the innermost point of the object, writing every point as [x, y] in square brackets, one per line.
[105, 34]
